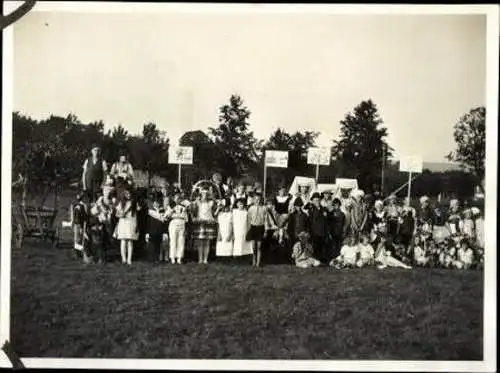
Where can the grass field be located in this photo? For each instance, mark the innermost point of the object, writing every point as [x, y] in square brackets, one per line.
[62, 308]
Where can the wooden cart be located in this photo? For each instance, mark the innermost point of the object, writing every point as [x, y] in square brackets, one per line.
[35, 222]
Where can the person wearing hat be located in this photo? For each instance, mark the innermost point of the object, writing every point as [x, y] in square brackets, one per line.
[177, 214]
[297, 221]
[392, 215]
[302, 252]
[79, 217]
[303, 193]
[337, 227]
[426, 218]
[326, 196]
[317, 224]
[358, 215]
[103, 211]
[453, 218]
[94, 170]
[157, 227]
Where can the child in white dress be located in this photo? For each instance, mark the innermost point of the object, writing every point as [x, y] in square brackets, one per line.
[126, 229]
[366, 252]
[224, 246]
[348, 255]
[302, 252]
[240, 229]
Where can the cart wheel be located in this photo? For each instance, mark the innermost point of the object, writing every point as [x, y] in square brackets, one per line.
[19, 236]
[55, 239]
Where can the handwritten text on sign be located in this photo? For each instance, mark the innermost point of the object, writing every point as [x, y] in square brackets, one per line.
[319, 156]
[275, 158]
[180, 154]
[412, 164]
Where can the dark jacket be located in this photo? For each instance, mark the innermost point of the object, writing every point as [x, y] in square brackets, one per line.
[297, 222]
[336, 224]
[94, 173]
[317, 221]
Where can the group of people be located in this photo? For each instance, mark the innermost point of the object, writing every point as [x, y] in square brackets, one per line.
[305, 227]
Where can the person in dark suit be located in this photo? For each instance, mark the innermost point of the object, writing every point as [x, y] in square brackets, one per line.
[297, 221]
[317, 224]
[337, 227]
[156, 229]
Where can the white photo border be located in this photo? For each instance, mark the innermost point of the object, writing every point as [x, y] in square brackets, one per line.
[489, 309]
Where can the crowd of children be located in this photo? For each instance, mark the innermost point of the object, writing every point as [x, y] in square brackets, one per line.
[305, 228]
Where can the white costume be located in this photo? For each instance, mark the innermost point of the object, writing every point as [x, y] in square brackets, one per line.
[240, 228]
[224, 245]
[366, 254]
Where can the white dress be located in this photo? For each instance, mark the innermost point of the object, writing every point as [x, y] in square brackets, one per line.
[126, 228]
[240, 228]
[224, 245]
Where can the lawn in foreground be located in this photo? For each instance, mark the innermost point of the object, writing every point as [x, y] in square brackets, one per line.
[62, 308]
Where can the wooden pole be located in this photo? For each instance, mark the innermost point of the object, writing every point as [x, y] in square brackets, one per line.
[317, 173]
[409, 185]
[265, 180]
[382, 186]
[179, 175]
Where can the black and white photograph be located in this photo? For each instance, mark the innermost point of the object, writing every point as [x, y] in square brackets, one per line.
[249, 186]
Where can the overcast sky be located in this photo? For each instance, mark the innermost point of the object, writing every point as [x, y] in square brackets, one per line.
[294, 71]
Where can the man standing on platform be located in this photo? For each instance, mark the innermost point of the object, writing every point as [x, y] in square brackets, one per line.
[94, 169]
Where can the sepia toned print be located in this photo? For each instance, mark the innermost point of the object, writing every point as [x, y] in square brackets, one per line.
[265, 186]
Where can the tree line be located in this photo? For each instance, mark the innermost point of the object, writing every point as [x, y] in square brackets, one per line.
[55, 149]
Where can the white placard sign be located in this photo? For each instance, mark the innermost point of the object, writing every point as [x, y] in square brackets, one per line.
[319, 156]
[276, 158]
[180, 154]
[411, 164]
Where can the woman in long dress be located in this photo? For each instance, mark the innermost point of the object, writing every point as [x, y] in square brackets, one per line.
[224, 246]
[240, 229]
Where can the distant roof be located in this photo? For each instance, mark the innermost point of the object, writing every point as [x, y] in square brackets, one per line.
[437, 166]
[441, 166]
